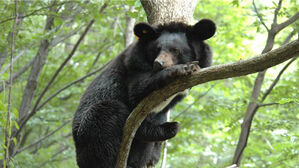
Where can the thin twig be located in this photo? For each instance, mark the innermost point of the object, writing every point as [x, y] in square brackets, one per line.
[190, 105]
[16, 75]
[8, 127]
[288, 22]
[259, 16]
[105, 46]
[277, 79]
[276, 12]
[289, 37]
[14, 60]
[43, 138]
[267, 104]
[59, 39]
[271, 104]
[34, 12]
[70, 84]
[51, 160]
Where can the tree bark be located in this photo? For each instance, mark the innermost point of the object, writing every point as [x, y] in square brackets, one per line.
[163, 11]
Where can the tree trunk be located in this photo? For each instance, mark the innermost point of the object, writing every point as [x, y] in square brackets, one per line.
[37, 66]
[163, 11]
[130, 22]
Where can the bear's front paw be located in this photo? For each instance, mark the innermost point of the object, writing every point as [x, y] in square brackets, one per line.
[186, 69]
[169, 74]
[170, 129]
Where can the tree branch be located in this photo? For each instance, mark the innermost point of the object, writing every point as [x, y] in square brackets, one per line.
[34, 12]
[289, 37]
[8, 126]
[43, 138]
[61, 38]
[52, 158]
[106, 45]
[190, 105]
[3, 56]
[33, 111]
[288, 22]
[259, 16]
[218, 72]
[24, 119]
[14, 60]
[267, 104]
[277, 79]
[276, 12]
[37, 66]
[25, 136]
[70, 84]
[271, 104]
[16, 75]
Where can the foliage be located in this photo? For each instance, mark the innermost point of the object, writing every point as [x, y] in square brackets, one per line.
[210, 127]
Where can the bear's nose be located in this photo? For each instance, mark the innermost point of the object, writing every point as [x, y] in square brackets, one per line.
[158, 65]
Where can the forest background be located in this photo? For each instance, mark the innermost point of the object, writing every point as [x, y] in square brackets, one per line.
[53, 65]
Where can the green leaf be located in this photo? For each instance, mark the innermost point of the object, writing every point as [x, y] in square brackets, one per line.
[15, 140]
[16, 113]
[133, 14]
[130, 2]
[17, 125]
[235, 3]
[286, 100]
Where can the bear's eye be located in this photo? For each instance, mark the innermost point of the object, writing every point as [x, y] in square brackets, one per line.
[175, 51]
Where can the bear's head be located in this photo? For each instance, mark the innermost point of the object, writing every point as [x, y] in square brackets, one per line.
[176, 43]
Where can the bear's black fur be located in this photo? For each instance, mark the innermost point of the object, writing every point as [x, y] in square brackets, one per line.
[161, 54]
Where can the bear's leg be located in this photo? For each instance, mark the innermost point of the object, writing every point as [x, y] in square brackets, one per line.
[146, 147]
[97, 133]
[150, 132]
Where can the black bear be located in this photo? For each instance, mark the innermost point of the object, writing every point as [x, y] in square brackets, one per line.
[161, 54]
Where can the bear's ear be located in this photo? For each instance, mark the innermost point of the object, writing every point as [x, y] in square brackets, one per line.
[202, 30]
[144, 30]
